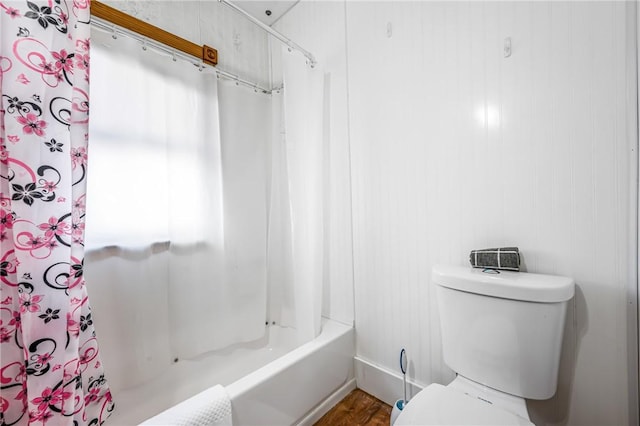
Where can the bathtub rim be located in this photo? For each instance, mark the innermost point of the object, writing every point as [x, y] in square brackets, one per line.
[331, 330]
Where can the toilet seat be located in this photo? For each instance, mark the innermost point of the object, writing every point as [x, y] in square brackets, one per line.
[442, 405]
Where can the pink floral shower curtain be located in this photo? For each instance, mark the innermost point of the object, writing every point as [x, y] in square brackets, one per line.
[50, 370]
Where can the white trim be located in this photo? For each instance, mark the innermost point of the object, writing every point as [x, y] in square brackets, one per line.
[382, 383]
[633, 291]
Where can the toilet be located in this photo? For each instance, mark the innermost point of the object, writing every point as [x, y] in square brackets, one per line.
[501, 335]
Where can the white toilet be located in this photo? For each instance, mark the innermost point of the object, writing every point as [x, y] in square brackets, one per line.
[502, 335]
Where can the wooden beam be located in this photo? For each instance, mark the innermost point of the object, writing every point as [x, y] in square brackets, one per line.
[205, 53]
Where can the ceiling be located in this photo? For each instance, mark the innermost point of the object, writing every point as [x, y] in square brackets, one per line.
[258, 8]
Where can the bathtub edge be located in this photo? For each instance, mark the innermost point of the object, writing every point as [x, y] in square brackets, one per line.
[279, 393]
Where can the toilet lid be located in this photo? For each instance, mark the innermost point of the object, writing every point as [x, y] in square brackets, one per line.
[440, 405]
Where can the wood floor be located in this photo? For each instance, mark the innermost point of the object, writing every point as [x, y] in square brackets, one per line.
[357, 408]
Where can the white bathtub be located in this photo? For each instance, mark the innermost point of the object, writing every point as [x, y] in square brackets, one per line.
[270, 382]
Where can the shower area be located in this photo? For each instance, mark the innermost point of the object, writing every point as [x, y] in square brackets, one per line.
[210, 225]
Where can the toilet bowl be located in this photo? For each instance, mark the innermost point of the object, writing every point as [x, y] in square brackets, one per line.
[502, 336]
[463, 402]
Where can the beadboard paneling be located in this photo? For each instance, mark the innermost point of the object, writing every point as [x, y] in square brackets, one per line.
[456, 147]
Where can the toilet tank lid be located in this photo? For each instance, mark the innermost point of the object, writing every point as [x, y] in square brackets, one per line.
[505, 284]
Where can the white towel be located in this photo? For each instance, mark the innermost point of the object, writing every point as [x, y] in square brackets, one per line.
[210, 407]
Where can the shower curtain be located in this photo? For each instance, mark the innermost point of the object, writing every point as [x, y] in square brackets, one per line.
[305, 127]
[182, 225]
[178, 236]
[50, 368]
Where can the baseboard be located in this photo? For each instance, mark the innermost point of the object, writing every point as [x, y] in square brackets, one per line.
[326, 405]
[382, 383]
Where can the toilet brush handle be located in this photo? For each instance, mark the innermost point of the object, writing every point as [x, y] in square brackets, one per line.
[403, 368]
[404, 383]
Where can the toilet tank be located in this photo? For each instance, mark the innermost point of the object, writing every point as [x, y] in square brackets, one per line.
[503, 329]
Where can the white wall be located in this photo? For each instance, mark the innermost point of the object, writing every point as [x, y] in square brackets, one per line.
[455, 147]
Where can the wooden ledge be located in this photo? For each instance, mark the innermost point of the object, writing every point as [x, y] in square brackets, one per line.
[204, 53]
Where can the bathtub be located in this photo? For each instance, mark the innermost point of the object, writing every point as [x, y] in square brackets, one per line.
[269, 382]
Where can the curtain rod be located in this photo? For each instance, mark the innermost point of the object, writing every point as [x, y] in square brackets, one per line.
[310, 58]
[100, 21]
